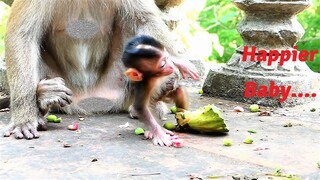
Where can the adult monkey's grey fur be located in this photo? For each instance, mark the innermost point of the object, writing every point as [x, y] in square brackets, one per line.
[159, 3]
[48, 60]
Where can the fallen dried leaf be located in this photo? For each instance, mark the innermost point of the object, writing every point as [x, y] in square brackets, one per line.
[265, 113]
[66, 145]
[194, 177]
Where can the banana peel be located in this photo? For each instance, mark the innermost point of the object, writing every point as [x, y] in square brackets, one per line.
[207, 119]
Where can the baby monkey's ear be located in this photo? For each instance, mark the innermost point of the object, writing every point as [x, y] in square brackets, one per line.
[133, 74]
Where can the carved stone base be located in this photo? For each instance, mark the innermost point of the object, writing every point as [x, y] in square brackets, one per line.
[231, 84]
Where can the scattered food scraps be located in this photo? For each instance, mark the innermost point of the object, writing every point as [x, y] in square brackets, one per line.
[265, 113]
[169, 126]
[173, 109]
[81, 118]
[261, 149]
[252, 131]
[288, 124]
[194, 177]
[236, 178]
[177, 143]
[58, 120]
[200, 91]
[139, 131]
[73, 126]
[278, 173]
[94, 160]
[51, 118]
[227, 142]
[254, 108]
[54, 118]
[124, 125]
[66, 145]
[238, 109]
[318, 163]
[248, 140]
[214, 177]
[313, 109]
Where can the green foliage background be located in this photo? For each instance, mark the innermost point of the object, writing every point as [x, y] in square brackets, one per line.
[310, 20]
[220, 17]
[216, 24]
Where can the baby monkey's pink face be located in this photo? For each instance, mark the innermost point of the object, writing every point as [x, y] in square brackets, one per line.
[161, 66]
[165, 64]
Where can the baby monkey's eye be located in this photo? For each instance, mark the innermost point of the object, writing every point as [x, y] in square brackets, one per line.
[163, 64]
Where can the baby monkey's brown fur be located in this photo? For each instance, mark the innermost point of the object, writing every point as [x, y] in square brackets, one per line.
[148, 62]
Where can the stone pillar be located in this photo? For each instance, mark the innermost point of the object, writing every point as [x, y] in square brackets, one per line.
[267, 25]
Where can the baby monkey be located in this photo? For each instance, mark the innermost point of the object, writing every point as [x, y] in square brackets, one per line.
[154, 78]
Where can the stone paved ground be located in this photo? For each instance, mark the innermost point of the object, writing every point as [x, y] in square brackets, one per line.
[104, 151]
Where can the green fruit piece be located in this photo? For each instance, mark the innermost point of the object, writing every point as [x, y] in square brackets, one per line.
[183, 116]
[51, 118]
[139, 131]
[227, 142]
[252, 131]
[318, 163]
[173, 109]
[58, 120]
[169, 126]
[207, 119]
[313, 109]
[200, 91]
[254, 108]
[248, 140]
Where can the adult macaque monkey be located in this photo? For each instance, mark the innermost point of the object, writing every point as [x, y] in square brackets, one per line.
[58, 52]
[149, 67]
